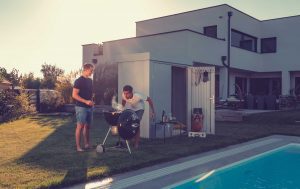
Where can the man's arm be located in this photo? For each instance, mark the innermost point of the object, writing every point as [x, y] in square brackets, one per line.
[123, 102]
[75, 95]
[149, 100]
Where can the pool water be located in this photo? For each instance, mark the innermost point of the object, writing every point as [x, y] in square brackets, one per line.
[278, 169]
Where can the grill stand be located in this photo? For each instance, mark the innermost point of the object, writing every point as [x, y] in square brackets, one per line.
[119, 143]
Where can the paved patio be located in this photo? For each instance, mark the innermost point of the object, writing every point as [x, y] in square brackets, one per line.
[236, 115]
[166, 174]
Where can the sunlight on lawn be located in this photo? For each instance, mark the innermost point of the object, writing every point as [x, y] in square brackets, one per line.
[16, 141]
[39, 151]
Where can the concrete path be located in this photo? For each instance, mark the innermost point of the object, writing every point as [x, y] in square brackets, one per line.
[166, 174]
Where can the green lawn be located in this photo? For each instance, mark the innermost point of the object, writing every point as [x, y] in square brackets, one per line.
[39, 151]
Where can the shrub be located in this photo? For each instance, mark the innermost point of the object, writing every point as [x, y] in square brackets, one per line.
[50, 100]
[13, 105]
[64, 85]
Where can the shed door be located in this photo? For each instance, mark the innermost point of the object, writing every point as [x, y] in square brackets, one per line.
[179, 101]
[202, 95]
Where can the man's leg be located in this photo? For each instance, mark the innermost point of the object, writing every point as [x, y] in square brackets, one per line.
[86, 136]
[86, 129]
[137, 137]
[81, 121]
[77, 136]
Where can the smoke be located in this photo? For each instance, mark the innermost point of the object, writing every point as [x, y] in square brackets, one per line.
[115, 104]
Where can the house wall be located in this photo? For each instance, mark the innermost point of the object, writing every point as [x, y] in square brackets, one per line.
[288, 44]
[171, 47]
[287, 41]
[194, 20]
[90, 52]
[206, 50]
[183, 47]
[161, 87]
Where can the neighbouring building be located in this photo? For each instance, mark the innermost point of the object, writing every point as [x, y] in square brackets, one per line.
[4, 84]
[261, 58]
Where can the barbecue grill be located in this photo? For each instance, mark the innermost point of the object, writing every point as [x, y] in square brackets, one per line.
[127, 123]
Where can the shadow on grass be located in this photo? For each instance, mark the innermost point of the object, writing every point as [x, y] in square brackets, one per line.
[57, 152]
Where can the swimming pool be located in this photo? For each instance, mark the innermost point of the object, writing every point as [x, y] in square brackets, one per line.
[279, 168]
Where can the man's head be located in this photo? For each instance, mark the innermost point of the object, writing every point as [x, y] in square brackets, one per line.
[88, 69]
[127, 90]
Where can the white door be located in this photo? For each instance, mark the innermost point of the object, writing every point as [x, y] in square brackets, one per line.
[201, 94]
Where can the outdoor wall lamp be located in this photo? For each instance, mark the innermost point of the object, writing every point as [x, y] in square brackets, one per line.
[95, 61]
[223, 59]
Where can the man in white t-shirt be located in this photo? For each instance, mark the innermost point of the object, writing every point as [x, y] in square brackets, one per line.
[135, 102]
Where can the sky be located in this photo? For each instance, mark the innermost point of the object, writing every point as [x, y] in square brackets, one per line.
[34, 32]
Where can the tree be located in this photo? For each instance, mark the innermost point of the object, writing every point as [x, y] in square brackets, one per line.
[105, 83]
[3, 74]
[29, 82]
[64, 85]
[12, 77]
[50, 73]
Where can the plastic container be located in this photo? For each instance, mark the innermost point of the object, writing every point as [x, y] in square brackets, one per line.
[197, 120]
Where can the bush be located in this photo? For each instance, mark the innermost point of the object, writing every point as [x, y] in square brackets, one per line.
[50, 101]
[13, 105]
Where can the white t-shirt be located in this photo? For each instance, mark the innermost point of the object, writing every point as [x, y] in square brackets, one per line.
[136, 102]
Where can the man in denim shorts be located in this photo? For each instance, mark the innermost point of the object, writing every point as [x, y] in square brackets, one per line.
[135, 102]
[82, 94]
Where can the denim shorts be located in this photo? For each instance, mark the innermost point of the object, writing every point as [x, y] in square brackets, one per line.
[140, 114]
[84, 115]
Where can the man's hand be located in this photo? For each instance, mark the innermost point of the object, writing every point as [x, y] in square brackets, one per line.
[89, 103]
[152, 114]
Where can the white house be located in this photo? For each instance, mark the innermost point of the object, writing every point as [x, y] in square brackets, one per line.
[159, 61]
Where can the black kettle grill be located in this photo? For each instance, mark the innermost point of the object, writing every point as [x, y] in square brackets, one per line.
[127, 123]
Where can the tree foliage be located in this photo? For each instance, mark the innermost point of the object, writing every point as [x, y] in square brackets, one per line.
[14, 77]
[30, 82]
[13, 105]
[50, 74]
[64, 85]
[105, 83]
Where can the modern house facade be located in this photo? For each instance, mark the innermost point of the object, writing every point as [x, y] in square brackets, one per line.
[258, 57]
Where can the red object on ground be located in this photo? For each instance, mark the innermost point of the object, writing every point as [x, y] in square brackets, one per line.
[197, 122]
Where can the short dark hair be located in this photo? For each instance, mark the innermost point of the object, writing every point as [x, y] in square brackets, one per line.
[127, 88]
[87, 66]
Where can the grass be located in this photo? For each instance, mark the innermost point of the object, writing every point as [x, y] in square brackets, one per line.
[39, 151]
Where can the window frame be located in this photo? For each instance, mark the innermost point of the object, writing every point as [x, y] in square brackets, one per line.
[270, 39]
[247, 35]
[215, 35]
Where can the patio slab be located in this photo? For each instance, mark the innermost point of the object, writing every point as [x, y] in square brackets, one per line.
[236, 115]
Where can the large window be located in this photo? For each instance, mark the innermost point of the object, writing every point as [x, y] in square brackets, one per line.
[268, 45]
[210, 31]
[243, 41]
[265, 86]
[241, 86]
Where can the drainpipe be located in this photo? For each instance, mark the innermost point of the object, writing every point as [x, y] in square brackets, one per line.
[228, 51]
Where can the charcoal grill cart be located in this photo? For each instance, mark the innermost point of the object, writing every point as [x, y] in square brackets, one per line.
[127, 123]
